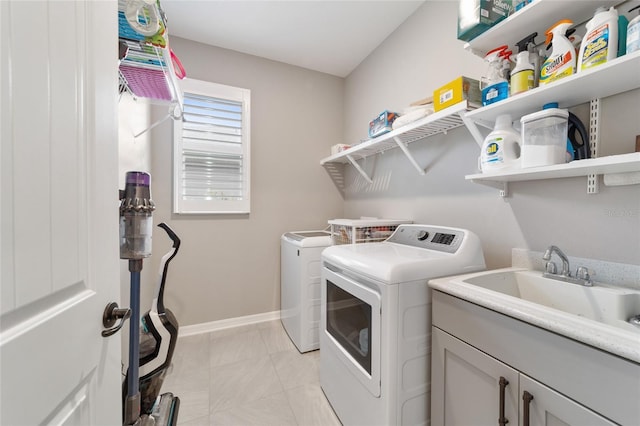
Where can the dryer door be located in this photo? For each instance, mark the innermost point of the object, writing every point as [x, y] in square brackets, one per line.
[352, 312]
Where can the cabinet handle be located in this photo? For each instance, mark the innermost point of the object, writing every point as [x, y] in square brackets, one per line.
[527, 398]
[503, 384]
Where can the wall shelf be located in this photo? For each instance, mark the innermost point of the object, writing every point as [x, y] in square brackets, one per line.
[609, 165]
[619, 75]
[535, 17]
[436, 123]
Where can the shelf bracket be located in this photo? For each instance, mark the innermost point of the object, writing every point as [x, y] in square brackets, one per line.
[502, 187]
[594, 139]
[360, 170]
[412, 160]
[472, 127]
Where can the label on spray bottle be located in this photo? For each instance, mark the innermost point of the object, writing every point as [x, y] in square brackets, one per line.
[596, 48]
[522, 81]
[552, 69]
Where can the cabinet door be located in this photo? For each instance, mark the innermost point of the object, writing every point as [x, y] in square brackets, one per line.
[465, 386]
[549, 408]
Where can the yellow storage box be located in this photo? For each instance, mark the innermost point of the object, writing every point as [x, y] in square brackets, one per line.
[462, 88]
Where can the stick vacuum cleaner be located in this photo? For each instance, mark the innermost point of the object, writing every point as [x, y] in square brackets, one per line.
[147, 367]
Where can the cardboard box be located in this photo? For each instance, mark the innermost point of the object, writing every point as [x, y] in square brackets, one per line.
[382, 123]
[462, 88]
[477, 16]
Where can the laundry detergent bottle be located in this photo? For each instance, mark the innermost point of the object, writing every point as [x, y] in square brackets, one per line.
[562, 60]
[501, 147]
[600, 43]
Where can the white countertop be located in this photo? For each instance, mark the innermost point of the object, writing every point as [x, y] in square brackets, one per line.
[622, 342]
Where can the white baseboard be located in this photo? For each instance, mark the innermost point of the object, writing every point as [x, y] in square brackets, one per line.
[207, 327]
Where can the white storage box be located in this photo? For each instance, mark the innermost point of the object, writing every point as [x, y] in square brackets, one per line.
[355, 231]
[544, 138]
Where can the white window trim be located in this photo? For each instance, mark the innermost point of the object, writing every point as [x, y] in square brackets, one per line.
[181, 206]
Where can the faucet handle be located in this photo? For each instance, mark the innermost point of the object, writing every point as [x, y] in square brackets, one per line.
[551, 268]
[583, 273]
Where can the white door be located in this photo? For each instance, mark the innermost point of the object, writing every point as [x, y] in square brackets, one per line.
[58, 211]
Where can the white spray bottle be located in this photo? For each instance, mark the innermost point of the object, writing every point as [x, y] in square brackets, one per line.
[562, 61]
[494, 86]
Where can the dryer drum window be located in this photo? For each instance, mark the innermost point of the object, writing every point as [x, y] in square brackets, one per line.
[349, 322]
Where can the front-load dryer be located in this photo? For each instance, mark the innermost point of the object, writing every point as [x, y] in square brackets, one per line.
[375, 329]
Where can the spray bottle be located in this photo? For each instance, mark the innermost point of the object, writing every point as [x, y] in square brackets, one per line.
[523, 76]
[494, 86]
[562, 61]
[600, 43]
[633, 32]
[505, 70]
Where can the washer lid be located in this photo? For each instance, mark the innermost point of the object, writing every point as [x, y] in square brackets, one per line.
[308, 238]
[396, 262]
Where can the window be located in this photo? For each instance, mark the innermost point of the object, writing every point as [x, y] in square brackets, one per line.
[211, 148]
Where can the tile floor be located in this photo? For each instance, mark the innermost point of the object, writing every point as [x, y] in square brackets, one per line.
[248, 375]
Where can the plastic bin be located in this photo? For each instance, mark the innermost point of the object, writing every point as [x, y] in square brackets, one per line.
[544, 138]
[356, 231]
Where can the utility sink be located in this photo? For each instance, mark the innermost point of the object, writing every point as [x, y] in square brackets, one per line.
[602, 303]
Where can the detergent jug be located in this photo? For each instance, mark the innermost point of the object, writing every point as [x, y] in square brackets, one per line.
[501, 147]
[600, 43]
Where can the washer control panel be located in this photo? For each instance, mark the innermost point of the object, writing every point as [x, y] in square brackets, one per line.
[428, 237]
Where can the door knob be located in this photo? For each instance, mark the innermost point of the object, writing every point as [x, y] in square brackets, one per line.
[111, 314]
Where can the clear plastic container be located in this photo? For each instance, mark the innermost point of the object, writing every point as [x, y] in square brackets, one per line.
[544, 138]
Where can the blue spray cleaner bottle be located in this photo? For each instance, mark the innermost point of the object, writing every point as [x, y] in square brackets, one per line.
[494, 86]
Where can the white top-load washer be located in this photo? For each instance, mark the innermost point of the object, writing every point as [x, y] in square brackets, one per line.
[375, 330]
[300, 286]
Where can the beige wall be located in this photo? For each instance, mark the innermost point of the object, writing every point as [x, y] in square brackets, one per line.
[229, 266]
[424, 54]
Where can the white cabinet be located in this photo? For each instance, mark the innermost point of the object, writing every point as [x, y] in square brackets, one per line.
[571, 383]
[469, 387]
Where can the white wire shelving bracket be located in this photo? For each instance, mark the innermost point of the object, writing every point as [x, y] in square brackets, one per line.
[436, 123]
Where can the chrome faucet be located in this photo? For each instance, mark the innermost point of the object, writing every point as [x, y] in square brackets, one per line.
[582, 274]
[565, 261]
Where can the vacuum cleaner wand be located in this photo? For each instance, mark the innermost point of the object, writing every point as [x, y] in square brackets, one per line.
[136, 226]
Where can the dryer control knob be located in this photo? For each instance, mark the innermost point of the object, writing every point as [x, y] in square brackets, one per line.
[423, 235]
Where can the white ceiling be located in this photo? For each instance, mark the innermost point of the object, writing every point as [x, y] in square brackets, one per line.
[329, 36]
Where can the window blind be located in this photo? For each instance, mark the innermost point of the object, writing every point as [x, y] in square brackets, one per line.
[212, 147]
[212, 158]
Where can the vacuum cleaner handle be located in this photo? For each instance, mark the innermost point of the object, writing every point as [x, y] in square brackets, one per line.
[172, 235]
